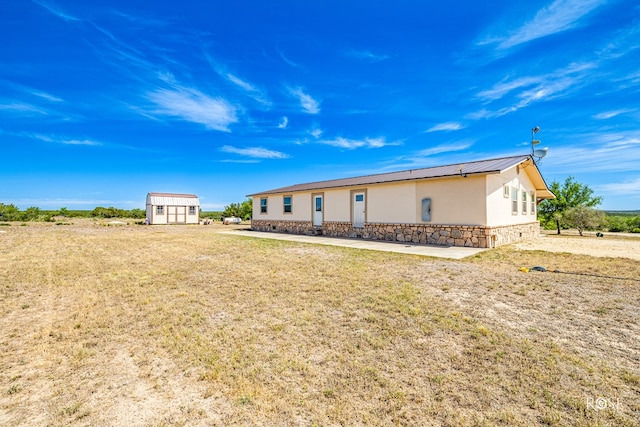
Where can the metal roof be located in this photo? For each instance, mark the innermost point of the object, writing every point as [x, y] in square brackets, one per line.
[159, 199]
[469, 168]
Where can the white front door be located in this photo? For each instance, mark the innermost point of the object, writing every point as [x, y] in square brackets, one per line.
[358, 210]
[317, 211]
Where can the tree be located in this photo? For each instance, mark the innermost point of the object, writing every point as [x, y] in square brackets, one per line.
[9, 213]
[242, 210]
[569, 195]
[583, 218]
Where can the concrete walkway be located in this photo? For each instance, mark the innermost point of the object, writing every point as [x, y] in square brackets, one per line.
[453, 252]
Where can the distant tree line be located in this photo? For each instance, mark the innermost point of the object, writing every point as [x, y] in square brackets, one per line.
[12, 213]
[112, 212]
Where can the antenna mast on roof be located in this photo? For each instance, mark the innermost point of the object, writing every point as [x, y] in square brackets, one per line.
[537, 153]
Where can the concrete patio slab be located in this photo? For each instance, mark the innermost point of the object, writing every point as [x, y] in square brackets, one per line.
[452, 252]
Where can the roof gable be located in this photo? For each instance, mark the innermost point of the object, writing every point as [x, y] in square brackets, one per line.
[476, 167]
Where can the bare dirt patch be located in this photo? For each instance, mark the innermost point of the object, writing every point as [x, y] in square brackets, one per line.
[610, 245]
[182, 325]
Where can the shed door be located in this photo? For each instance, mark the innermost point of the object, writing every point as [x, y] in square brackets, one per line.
[317, 211]
[176, 214]
[358, 210]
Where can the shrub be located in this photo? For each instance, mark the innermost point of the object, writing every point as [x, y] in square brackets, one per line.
[616, 224]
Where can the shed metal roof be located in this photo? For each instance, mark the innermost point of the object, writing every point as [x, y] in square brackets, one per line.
[469, 168]
[159, 199]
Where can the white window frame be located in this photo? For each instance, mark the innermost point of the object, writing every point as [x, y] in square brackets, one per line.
[192, 210]
[159, 210]
[264, 207]
[533, 202]
[506, 191]
[524, 202]
[514, 201]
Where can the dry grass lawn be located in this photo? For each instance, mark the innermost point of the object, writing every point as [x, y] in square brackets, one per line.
[180, 325]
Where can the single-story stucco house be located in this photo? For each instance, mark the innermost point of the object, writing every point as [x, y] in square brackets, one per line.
[168, 208]
[480, 204]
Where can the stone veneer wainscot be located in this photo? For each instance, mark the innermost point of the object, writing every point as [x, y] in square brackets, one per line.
[474, 236]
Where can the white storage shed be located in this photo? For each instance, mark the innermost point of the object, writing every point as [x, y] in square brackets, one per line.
[168, 208]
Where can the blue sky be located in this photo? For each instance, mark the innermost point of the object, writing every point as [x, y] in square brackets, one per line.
[103, 102]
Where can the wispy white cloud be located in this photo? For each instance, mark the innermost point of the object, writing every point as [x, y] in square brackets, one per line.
[56, 11]
[597, 152]
[560, 15]
[284, 123]
[429, 156]
[308, 104]
[61, 140]
[446, 126]
[168, 96]
[609, 114]
[257, 152]
[316, 132]
[21, 107]
[351, 144]
[444, 148]
[23, 89]
[629, 187]
[46, 96]
[139, 19]
[530, 89]
[239, 82]
[288, 61]
[366, 55]
[125, 58]
[253, 91]
[625, 41]
[190, 104]
[80, 142]
[504, 87]
[54, 139]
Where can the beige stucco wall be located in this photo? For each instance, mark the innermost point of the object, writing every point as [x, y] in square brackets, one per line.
[337, 205]
[300, 207]
[454, 201]
[458, 200]
[392, 203]
[499, 211]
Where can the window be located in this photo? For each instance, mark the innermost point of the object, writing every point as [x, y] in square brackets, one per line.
[286, 200]
[524, 203]
[514, 200]
[533, 203]
[505, 192]
[263, 205]
[192, 210]
[159, 210]
[359, 197]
